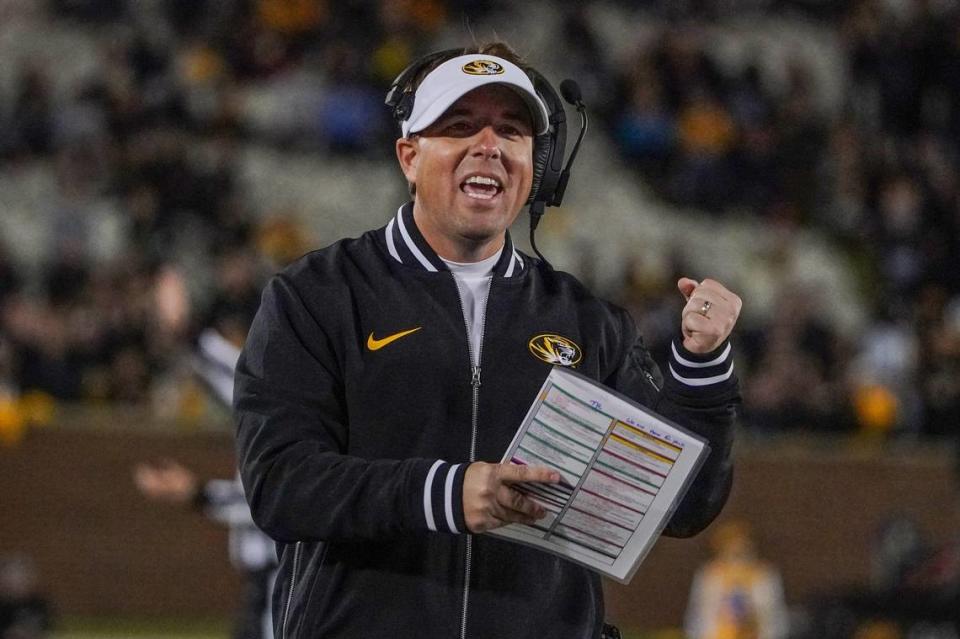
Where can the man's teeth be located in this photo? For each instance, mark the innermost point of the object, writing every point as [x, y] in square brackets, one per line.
[483, 193]
[479, 179]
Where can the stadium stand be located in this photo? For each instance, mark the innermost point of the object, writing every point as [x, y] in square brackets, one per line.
[806, 152]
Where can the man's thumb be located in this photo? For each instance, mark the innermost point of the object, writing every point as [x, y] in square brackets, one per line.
[687, 286]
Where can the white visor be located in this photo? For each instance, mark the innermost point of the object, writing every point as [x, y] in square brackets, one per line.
[458, 76]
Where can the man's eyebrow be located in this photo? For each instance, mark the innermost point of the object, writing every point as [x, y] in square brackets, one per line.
[523, 118]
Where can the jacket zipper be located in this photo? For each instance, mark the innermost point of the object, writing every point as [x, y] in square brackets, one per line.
[293, 583]
[652, 381]
[475, 386]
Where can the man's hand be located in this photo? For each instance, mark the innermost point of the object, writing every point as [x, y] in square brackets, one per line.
[167, 481]
[489, 501]
[709, 315]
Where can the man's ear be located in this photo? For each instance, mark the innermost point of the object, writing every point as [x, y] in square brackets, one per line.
[408, 154]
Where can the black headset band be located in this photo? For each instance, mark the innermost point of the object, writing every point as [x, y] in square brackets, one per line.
[401, 94]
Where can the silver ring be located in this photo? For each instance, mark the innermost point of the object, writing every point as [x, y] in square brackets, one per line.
[706, 307]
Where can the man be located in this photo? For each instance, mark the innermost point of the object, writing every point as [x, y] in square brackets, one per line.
[214, 360]
[251, 552]
[736, 595]
[384, 376]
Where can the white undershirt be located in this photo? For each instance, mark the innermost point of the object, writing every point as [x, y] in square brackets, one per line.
[473, 280]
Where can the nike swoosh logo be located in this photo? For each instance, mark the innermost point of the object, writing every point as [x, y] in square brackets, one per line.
[377, 344]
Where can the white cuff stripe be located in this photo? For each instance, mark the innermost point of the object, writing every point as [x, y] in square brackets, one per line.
[702, 381]
[413, 247]
[448, 498]
[427, 489]
[390, 245]
[690, 364]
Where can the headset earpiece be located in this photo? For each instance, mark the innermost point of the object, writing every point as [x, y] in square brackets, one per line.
[542, 147]
[548, 147]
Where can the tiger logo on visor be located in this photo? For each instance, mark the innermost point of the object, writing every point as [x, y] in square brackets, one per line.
[482, 67]
[555, 349]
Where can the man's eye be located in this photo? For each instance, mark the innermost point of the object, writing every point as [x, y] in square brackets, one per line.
[458, 127]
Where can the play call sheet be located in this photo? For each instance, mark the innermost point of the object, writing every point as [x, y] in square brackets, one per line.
[623, 471]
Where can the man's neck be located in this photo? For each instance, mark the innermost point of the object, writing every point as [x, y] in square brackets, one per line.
[459, 248]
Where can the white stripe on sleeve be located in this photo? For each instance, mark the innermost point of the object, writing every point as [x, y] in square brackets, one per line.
[701, 381]
[448, 497]
[722, 357]
[427, 489]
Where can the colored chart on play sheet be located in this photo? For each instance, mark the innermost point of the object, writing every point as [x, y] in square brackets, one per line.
[623, 469]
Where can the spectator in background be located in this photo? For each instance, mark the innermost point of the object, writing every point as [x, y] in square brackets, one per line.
[33, 113]
[25, 612]
[939, 336]
[251, 552]
[9, 277]
[11, 419]
[213, 361]
[646, 131]
[883, 378]
[706, 134]
[736, 595]
[797, 384]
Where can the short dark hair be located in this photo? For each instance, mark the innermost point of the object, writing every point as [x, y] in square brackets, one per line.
[496, 48]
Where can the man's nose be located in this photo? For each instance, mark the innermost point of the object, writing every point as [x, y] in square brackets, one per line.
[487, 143]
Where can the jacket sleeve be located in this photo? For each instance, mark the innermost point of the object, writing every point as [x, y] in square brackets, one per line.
[701, 393]
[222, 500]
[292, 435]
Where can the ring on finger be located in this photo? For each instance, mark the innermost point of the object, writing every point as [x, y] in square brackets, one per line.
[705, 308]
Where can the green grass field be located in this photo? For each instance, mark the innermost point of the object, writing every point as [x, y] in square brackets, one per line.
[169, 628]
[75, 628]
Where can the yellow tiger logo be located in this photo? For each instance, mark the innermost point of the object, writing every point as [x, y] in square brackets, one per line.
[482, 67]
[555, 349]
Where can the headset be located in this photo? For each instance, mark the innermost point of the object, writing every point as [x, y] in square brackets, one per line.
[550, 176]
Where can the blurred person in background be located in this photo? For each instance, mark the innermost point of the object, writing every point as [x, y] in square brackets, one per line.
[736, 595]
[251, 552]
[362, 413]
[25, 612]
[214, 359]
[794, 383]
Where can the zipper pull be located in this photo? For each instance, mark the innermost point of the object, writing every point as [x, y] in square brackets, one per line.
[475, 378]
[651, 380]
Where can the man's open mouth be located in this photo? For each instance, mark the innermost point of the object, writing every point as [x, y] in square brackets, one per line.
[481, 187]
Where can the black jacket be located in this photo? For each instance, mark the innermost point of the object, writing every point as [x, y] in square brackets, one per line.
[352, 450]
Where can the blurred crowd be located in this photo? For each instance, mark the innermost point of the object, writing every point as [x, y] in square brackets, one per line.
[148, 199]
[879, 176]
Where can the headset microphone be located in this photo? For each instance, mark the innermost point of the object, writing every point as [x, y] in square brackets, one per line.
[570, 91]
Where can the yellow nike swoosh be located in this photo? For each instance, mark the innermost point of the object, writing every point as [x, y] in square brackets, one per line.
[377, 344]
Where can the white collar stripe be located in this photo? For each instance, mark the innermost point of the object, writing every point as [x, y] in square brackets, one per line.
[390, 245]
[519, 259]
[691, 364]
[513, 260]
[704, 381]
[413, 247]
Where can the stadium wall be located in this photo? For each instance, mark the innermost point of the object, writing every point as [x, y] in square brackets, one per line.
[103, 550]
